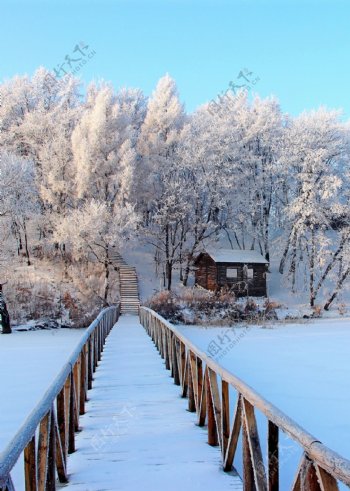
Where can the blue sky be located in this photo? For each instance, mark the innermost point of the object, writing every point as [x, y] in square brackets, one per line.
[300, 50]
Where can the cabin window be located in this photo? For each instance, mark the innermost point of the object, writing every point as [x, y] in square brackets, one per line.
[232, 273]
[250, 273]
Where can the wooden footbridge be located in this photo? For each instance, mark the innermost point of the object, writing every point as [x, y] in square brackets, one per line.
[113, 420]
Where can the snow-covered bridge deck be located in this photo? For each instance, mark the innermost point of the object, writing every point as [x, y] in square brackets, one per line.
[136, 432]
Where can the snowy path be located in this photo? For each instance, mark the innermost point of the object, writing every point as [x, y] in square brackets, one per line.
[137, 434]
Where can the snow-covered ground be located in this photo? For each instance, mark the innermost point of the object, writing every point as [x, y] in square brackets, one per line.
[29, 362]
[304, 369]
[137, 434]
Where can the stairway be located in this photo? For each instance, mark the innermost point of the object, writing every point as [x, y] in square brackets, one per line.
[128, 285]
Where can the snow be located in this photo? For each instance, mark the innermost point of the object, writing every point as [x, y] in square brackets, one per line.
[303, 369]
[136, 431]
[237, 256]
[136, 425]
[29, 362]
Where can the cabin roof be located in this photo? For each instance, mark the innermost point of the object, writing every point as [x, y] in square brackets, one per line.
[236, 256]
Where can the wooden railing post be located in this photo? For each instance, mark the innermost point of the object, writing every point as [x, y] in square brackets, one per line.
[176, 373]
[90, 362]
[56, 417]
[83, 378]
[225, 420]
[212, 430]
[198, 375]
[51, 458]
[273, 458]
[30, 471]
[72, 417]
[191, 385]
[43, 451]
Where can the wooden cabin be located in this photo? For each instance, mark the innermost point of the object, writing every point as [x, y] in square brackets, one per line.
[240, 270]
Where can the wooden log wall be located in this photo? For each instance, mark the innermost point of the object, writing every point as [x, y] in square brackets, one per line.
[256, 286]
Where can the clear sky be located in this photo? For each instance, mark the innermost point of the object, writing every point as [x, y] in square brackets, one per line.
[299, 49]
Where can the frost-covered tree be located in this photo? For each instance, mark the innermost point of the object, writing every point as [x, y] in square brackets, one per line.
[18, 199]
[157, 170]
[158, 142]
[38, 116]
[314, 147]
[94, 229]
[103, 148]
[250, 135]
[204, 170]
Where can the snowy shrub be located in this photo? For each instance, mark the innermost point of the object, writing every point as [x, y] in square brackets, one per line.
[194, 306]
[317, 311]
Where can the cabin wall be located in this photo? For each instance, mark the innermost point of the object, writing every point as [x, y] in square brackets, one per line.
[206, 272]
[256, 285]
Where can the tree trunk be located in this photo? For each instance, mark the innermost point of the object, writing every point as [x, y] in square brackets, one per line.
[169, 273]
[266, 234]
[180, 257]
[26, 242]
[168, 265]
[187, 272]
[285, 254]
[334, 295]
[312, 268]
[330, 265]
[106, 265]
[5, 317]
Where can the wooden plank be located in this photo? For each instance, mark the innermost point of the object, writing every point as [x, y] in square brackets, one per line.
[191, 383]
[185, 376]
[193, 363]
[273, 457]
[60, 457]
[72, 417]
[234, 435]
[166, 348]
[216, 403]
[176, 371]
[212, 428]
[51, 459]
[202, 413]
[9, 486]
[67, 397]
[77, 388]
[90, 363]
[61, 421]
[254, 446]
[178, 356]
[171, 351]
[83, 379]
[43, 451]
[182, 364]
[225, 420]
[326, 481]
[332, 463]
[248, 473]
[199, 383]
[30, 466]
[308, 477]
[297, 485]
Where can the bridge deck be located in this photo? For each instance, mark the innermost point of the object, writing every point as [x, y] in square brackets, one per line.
[137, 434]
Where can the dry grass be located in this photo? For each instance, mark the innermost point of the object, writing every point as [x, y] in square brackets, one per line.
[53, 289]
[196, 306]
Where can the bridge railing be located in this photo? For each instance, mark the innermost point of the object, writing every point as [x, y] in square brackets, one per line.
[199, 376]
[48, 434]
